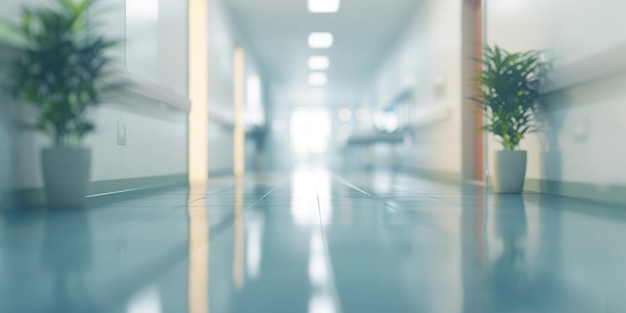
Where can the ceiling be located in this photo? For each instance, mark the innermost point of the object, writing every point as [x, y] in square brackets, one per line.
[277, 32]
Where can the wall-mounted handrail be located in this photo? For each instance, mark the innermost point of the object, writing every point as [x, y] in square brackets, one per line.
[603, 65]
[222, 119]
[146, 89]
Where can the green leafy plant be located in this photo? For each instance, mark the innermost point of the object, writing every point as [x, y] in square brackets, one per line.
[508, 90]
[60, 67]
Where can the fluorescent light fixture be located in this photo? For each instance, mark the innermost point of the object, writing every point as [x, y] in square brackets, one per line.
[321, 40]
[319, 62]
[324, 6]
[318, 79]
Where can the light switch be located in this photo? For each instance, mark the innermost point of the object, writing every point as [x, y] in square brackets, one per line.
[121, 133]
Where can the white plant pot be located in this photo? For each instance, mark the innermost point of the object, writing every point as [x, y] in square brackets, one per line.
[66, 174]
[508, 171]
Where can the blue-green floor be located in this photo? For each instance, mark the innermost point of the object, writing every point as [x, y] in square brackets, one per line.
[317, 242]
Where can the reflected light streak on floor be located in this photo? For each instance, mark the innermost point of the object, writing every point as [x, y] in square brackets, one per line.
[238, 270]
[311, 206]
[198, 250]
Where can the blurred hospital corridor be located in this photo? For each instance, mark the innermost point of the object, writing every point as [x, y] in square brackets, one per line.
[314, 156]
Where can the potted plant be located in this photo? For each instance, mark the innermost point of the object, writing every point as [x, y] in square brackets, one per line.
[508, 91]
[61, 68]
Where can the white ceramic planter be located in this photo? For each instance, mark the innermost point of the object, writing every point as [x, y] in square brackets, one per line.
[508, 171]
[66, 175]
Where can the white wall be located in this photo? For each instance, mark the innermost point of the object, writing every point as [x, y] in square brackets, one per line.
[428, 61]
[156, 138]
[584, 123]
[221, 45]
[223, 38]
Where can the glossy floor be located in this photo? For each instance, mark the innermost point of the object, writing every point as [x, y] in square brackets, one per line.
[317, 242]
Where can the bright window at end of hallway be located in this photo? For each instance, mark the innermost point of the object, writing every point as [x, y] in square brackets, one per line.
[254, 114]
[324, 6]
[310, 129]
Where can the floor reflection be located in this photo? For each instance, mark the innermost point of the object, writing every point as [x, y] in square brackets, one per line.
[199, 249]
[254, 239]
[67, 256]
[317, 242]
[509, 271]
[311, 206]
[238, 269]
[473, 249]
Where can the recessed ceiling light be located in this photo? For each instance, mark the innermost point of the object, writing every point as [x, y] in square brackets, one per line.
[318, 79]
[319, 62]
[345, 114]
[321, 40]
[324, 6]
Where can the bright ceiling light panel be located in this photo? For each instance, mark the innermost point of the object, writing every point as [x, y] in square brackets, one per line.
[321, 40]
[324, 6]
[319, 63]
[318, 79]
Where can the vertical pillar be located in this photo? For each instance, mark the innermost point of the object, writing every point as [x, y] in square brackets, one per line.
[472, 117]
[198, 90]
[198, 143]
[479, 118]
[238, 102]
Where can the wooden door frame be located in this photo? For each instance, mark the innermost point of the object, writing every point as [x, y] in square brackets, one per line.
[480, 140]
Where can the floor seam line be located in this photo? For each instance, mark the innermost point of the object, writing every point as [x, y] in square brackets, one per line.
[353, 186]
[333, 284]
